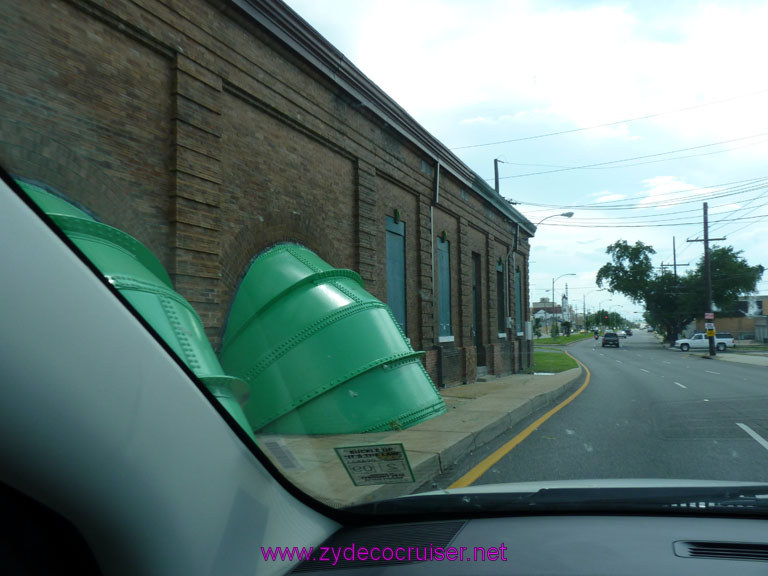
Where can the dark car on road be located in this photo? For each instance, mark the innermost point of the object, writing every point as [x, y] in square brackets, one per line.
[610, 339]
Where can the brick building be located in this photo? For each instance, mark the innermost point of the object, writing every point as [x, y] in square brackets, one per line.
[213, 129]
[746, 321]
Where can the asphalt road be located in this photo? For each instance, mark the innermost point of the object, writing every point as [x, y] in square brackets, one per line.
[650, 412]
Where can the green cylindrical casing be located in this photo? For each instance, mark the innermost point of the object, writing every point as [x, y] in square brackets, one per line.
[319, 353]
[140, 277]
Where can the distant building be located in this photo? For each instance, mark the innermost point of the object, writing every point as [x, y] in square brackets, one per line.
[747, 323]
[543, 308]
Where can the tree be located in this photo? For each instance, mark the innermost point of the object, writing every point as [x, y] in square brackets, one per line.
[610, 319]
[566, 327]
[629, 271]
[674, 301]
[730, 274]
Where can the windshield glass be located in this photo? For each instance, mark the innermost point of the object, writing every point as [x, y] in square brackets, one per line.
[425, 247]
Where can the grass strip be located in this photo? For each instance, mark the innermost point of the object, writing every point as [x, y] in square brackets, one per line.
[552, 361]
[563, 339]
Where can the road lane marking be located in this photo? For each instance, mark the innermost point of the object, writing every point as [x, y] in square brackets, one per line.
[619, 361]
[710, 371]
[681, 386]
[665, 362]
[759, 439]
[644, 370]
[491, 460]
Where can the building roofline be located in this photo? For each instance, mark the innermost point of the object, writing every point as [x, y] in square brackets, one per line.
[290, 28]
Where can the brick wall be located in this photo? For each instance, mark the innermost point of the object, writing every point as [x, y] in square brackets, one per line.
[195, 130]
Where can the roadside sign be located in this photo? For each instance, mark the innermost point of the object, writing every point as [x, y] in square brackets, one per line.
[709, 315]
[709, 326]
[376, 464]
[710, 333]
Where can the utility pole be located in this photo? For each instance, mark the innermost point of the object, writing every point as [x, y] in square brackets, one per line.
[496, 174]
[707, 276]
[553, 307]
[674, 264]
[674, 257]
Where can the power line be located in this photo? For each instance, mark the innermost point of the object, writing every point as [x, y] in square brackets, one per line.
[662, 202]
[732, 232]
[733, 185]
[656, 161]
[650, 219]
[614, 123]
[682, 211]
[764, 216]
[633, 158]
[741, 208]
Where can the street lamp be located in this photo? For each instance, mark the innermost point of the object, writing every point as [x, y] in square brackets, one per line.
[564, 215]
[553, 283]
[599, 307]
[619, 315]
[584, 303]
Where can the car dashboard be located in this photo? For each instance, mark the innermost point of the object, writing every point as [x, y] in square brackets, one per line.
[555, 544]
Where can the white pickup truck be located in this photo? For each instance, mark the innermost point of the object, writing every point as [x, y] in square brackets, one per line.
[700, 341]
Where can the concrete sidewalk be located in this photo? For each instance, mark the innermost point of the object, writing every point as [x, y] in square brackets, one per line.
[754, 358]
[476, 414]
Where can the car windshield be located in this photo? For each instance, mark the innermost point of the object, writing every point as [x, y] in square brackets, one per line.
[415, 249]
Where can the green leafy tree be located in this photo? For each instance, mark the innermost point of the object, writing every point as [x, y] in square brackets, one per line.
[566, 328]
[629, 270]
[674, 301]
[537, 327]
[602, 317]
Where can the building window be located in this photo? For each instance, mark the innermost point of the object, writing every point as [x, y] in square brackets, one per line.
[444, 288]
[396, 270]
[518, 302]
[500, 299]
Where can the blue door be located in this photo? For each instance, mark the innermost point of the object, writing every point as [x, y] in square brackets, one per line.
[396, 270]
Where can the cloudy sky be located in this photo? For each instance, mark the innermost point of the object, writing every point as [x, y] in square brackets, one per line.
[629, 114]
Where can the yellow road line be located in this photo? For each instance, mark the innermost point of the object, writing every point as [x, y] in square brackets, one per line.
[489, 461]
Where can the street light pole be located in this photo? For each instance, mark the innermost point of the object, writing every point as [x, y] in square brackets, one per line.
[553, 291]
[564, 215]
[584, 304]
[599, 306]
[617, 314]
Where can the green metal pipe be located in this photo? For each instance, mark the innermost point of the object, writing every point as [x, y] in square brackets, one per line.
[140, 277]
[319, 353]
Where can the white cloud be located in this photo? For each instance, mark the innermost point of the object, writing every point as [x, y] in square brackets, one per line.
[609, 197]
[479, 120]
[667, 191]
[568, 65]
